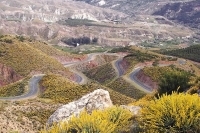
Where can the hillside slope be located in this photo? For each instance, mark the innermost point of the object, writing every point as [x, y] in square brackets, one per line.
[191, 53]
[187, 13]
[24, 59]
[61, 90]
[53, 11]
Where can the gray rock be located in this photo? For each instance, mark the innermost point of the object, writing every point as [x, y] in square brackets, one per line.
[134, 109]
[97, 100]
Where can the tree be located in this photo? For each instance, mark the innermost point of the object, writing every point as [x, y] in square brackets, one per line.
[95, 40]
[174, 81]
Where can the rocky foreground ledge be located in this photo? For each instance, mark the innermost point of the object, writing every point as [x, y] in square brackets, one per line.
[97, 100]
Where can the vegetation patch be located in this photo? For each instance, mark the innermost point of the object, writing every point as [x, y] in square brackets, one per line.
[61, 90]
[119, 98]
[172, 113]
[103, 74]
[80, 22]
[39, 115]
[155, 73]
[140, 56]
[14, 89]
[174, 81]
[194, 85]
[191, 53]
[24, 58]
[83, 49]
[163, 44]
[169, 78]
[47, 49]
[121, 49]
[111, 120]
[121, 86]
[79, 41]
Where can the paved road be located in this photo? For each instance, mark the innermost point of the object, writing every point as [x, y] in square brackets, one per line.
[118, 67]
[32, 92]
[132, 76]
[90, 57]
[80, 77]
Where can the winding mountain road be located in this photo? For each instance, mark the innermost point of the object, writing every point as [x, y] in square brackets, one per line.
[33, 88]
[82, 79]
[116, 65]
[134, 79]
[131, 78]
[32, 91]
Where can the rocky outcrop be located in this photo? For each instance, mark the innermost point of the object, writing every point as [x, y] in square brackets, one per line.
[8, 75]
[99, 99]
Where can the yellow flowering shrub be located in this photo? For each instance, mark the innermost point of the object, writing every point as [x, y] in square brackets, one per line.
[61, 90]
[110, 120]
[119, 116]
[144, 101]
[195, 85]
[14, 89]
[176, 113]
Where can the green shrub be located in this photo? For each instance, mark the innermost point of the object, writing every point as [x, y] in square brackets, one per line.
[174, 81]
[191, 53]
[176, 113]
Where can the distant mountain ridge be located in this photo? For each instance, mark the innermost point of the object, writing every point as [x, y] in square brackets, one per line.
[132, 7]
[113, 22]
[187, 13]
[52, 11]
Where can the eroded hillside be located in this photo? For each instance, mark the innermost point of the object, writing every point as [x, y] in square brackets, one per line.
[183, 12]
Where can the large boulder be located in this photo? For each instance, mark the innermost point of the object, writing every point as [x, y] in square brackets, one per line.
[97, 100]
